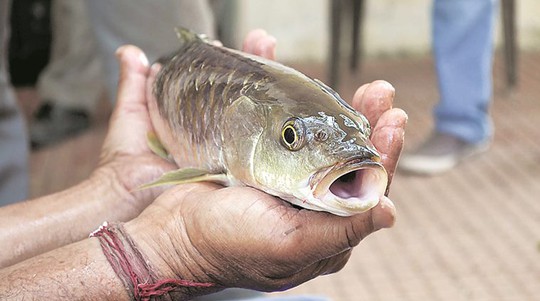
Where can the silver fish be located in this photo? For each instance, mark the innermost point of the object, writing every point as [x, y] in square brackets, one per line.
[238, 119]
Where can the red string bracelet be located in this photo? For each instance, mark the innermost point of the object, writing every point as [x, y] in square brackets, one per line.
[131, 267]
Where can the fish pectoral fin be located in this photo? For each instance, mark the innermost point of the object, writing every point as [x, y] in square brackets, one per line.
[156, 146]
[187, 175]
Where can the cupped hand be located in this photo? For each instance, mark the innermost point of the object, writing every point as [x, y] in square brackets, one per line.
[242, 237]
[259, 42]
[125, 157]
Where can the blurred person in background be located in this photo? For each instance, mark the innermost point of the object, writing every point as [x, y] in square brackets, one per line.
[82, 66]
[13, 136]
[148, 24]
[462, 38]
[72, 82]
[75, 78]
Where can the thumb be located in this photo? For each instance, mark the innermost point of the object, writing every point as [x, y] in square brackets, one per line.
[322, 235]
[133, 72]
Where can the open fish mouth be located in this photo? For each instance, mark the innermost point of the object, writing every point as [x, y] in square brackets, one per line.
[351, 187]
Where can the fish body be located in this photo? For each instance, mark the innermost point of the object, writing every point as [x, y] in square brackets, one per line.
[238, 119]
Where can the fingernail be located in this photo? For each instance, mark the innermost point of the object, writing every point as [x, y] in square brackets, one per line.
[119, 50]
[143, 59]
[385, 84]
[384, 215]
[154, 69]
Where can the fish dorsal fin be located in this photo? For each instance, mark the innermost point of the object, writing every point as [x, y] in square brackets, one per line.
[156, 146]
[187, 175]
[186, 36]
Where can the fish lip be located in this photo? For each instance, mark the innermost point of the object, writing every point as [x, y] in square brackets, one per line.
[371, 187]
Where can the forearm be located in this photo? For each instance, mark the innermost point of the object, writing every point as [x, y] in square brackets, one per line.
[78, 271]
[111, 266]
[46, 223]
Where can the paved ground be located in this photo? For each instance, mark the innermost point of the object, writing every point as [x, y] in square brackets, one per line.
[470, 234]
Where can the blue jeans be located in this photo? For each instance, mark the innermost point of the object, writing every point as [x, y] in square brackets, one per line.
[463, 48]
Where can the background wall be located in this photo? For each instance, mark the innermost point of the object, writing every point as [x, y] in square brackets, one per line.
[391, 27]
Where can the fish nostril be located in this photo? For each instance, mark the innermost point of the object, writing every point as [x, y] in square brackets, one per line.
[321, 135]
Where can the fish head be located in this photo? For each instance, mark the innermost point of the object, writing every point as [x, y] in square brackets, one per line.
[320, 157]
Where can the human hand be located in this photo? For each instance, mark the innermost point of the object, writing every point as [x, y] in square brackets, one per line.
[259, 42]
[126, 158]
[374, 100]
[126, 161]
[241, 237]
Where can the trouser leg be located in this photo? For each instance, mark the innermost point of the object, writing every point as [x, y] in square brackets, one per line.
[463, 49]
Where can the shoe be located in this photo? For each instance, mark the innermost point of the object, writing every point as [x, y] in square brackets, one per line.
[52, 124]
[440, 153]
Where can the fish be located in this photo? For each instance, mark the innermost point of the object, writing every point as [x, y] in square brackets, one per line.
[237, 119]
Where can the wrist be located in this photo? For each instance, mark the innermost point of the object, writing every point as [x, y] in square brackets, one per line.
[168, 260]
[118, 199]
[125, 175]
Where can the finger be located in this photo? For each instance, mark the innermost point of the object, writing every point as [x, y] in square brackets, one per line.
[388, 136]
[133, 71]
[382, 216]
[358, 95]
[251, 39]
[150, 97]
[259, 42]
[266, 47]
[374, 99]
[339, 234]
[130, 110]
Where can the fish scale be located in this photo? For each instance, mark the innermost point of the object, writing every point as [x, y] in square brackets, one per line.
[210, 97]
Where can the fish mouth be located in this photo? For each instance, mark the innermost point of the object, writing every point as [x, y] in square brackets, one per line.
[351, 187]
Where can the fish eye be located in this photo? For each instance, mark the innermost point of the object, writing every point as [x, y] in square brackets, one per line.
[292, 134]
[289, 135]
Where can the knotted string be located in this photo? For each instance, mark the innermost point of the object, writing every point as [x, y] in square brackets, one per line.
[131, 267]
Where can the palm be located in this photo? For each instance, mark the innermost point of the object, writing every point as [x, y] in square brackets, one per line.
[250, 233]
